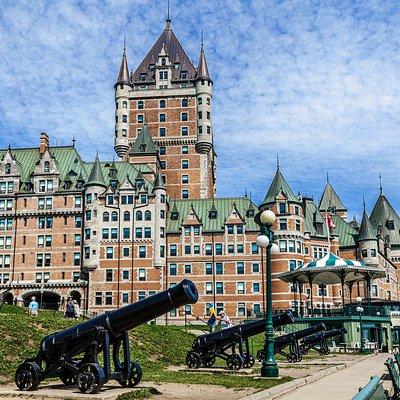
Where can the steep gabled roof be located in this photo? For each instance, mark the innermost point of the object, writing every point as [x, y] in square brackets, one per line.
[278, 185]
[143, 144]
[366, 231]
[175, 53]
[96, 177]
[312, 216]
[330, 199]
[381, 214]
[344, 230]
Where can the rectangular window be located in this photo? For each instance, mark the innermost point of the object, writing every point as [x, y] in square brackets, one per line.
[162, 150]
[255, 267]
[125, 298]
[283, 246]
[105, 233]
[77, 259]
[292, 265]
[185, 178]
[254, 248]
[282, 208]
[140, 118]
[208, 267]
[78, 221]
[126, 252]
[109, 252]
[240, 268]
[188, 269]
[98, 299]
[291, 247]
[142, 251]
[162, 118]
[126, 233]
[185, 149]
[109, 298]
[283, 224]
[161, 132]
[196, 249]
[172, 269]
[172, 250]
[231, 248]
[184, 131]
[240, 288]
[187, 230]
[209, 288]
[241, 309]
[239, 229]
[109, 275]
[240, 248]
[218, 249]
[184, 116]
[185, 164]
[142, 274]
[139, 233]
[364, 253]
[219, 269]
[256, 287]
[125, 275]
[114, 233]
[187, 250]
[185, 194]
[219, 288]
[208, 248]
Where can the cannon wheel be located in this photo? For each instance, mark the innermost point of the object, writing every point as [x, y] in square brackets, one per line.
[260, 355]
[248, 360]
[292, 357]
[322, 351]
[90, 378]
[299, 357]
[135, 376]
[303, 351]
[68, 377]
[193, 359]
[208, 362]
[27, 376]
[234, 361]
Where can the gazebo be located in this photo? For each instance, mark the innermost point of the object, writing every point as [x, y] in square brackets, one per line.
[331, 270]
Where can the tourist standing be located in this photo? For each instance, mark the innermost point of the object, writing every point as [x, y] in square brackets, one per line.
[212, 320]
[77, 310]
[33, 308]
[69, 309]
[224, 320]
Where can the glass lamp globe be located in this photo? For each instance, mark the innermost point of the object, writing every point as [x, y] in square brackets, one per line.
[267, 217]
[262, 241]
[359, 309]
[274, 248]
[358, 299]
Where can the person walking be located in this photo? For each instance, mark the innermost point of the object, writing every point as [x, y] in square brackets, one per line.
[224, 320]
[33, 307]
[69, 309]
[212, 320]
[77, 310]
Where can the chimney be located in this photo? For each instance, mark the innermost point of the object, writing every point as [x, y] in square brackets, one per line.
[44, 142]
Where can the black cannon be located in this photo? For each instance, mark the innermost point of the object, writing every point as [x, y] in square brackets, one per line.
[72, 354]
[206, 348]
[291, 340]
[318, 341]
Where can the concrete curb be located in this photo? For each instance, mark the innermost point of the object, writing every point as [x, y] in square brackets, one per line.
[280, 390]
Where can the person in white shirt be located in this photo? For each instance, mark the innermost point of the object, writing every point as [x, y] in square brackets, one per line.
[224, 320]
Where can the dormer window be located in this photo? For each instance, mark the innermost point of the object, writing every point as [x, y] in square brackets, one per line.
[319, 228]
[152, 67]
[8, 169]
[143, 147]
[139, 183]
[143, 76]
[176, 65]
[250, 213]
[282, 208]
[163, 61]
[212, 214]
[174, 215]
[390, 225]
[46, 166]
[184, 75]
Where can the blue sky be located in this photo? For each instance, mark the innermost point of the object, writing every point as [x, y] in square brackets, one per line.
[316, 82]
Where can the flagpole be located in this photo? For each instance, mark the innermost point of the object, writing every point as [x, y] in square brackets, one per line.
[327, 227]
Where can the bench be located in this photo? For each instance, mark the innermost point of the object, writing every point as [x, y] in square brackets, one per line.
[394, 376]
[373, 390]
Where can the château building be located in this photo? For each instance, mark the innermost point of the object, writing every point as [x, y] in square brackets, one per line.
[109, 233]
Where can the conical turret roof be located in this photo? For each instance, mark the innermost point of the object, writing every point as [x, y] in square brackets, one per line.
[158, 182]
[96, 177]
[143, 144]
[278, 185]
[330, 199]
[366, 231]
[123, 74]
[202, 69]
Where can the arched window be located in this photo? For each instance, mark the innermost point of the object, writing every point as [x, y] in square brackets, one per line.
[139, 216]
[140, 105]
[127, 216]
[125, 104]
[106, 216]
[114, 216]
[147, 215]
[163, 61]
[8, 169]
[46, 166]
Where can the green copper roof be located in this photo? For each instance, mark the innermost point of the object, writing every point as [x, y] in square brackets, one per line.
[312, 216]
[382, 214]
[278, 185]
[202, 208]
[96, 177]
[346, 233]
[366, 231]
[330, 199]
[144, 143]
[158, 182]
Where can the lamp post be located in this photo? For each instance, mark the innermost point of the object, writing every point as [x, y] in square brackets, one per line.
[265, 239]
[360, 310]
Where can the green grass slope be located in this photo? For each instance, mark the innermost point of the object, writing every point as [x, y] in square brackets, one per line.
[154, 347]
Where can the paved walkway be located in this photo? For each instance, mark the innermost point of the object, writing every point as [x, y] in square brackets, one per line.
[343, 384]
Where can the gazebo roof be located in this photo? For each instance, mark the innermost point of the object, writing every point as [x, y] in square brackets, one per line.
[332, 269]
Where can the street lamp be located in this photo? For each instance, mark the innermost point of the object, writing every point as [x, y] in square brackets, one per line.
[360, 310]
[265, 220]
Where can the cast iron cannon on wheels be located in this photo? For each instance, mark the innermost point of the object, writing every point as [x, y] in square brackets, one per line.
[291, 340]
[318, 341]
[73, 354]
[206, 348]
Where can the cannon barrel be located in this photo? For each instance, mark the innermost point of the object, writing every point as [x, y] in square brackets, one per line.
[281, 340]
[130, 316]
[322, 335]
[243, 331]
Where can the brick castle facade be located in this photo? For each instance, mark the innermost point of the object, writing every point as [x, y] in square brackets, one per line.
[110, 233]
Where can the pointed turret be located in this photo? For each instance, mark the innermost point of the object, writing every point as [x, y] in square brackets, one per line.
[366, 231]
[279, 185]
[96, 177]
[330, 199]
[143, 144]
[202, 69]
[123, 74]
[159, 182]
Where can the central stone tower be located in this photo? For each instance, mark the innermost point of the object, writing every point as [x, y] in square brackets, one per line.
[174, 99]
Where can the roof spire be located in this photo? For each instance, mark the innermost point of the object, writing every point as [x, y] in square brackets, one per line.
[364, 203]
[73, 140]
[168, 19]
[202, 69]
[277, 161]
[380, 183]
[96, 177]
[123, 74]
[327, 177]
